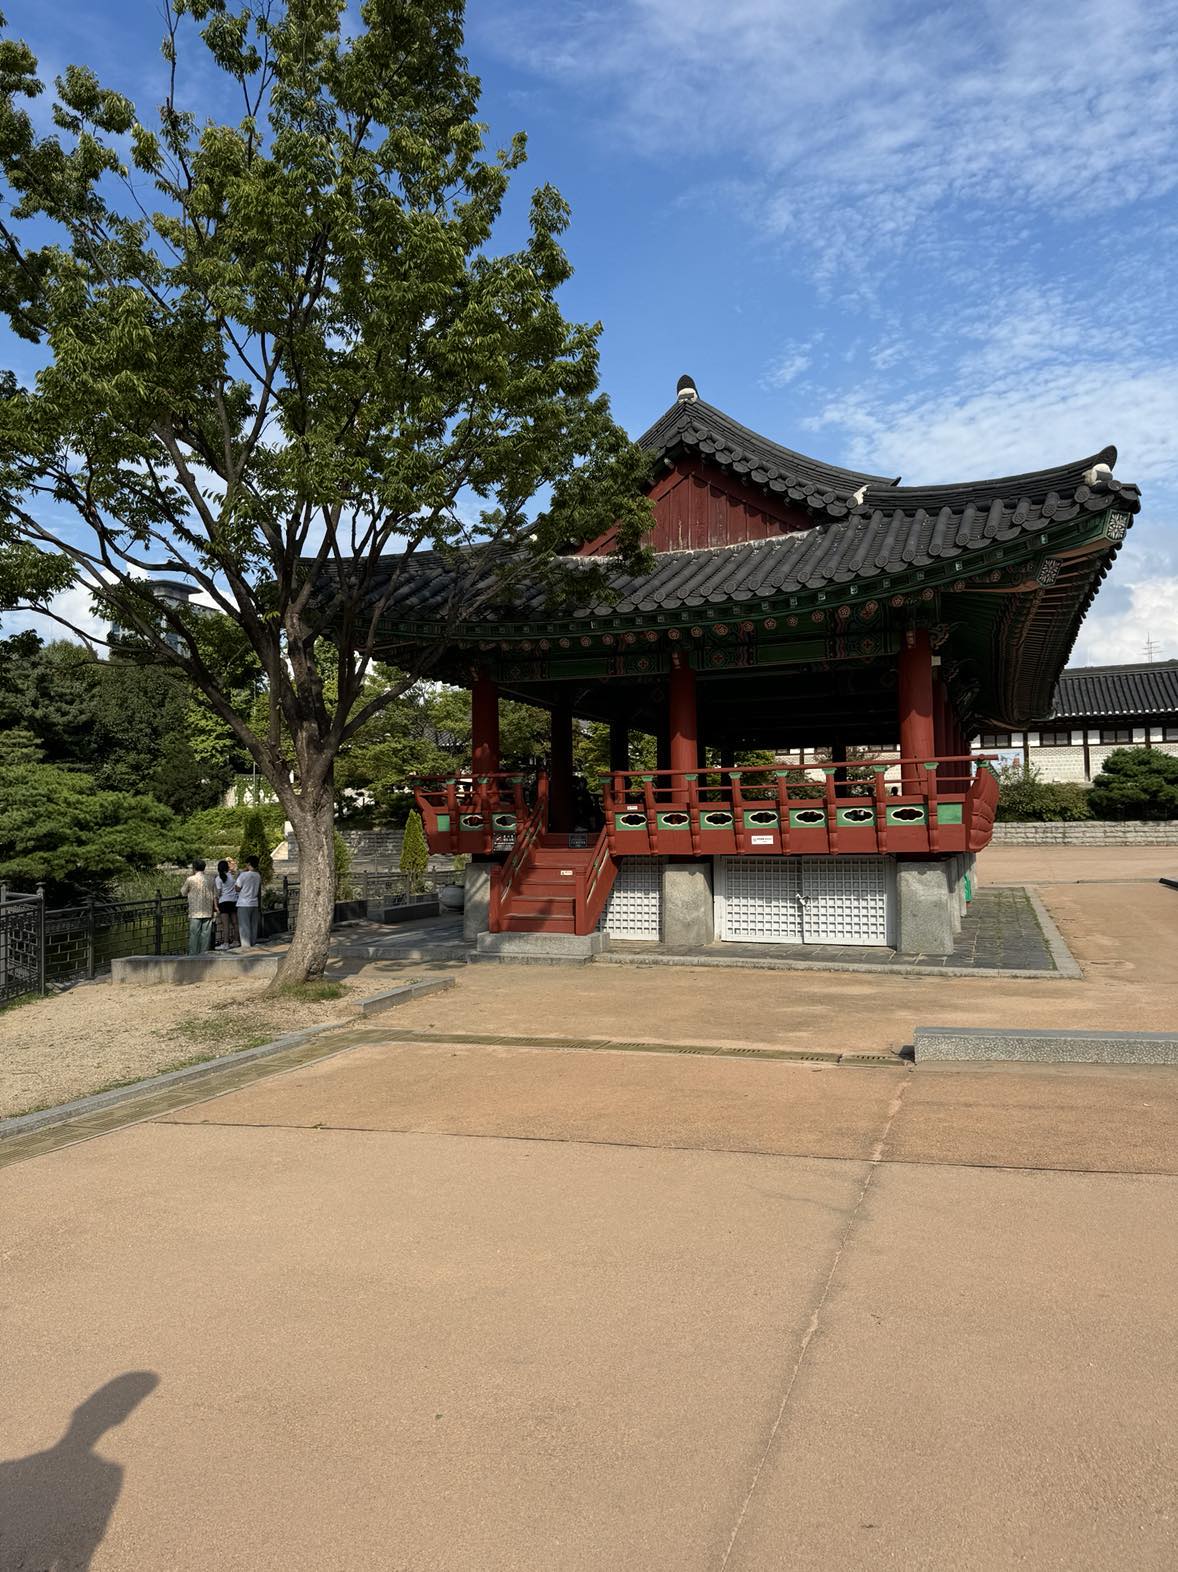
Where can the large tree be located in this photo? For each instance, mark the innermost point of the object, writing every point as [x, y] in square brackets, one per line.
[309, 353]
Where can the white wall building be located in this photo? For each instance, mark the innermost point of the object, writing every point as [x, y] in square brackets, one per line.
[1097, 709]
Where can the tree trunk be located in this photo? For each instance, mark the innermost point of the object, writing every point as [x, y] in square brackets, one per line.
[314, 825]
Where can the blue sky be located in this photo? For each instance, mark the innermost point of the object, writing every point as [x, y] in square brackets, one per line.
[933, 241]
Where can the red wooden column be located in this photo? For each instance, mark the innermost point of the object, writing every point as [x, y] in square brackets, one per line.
[560, 770]
[917, 738]
[619, 743]
[683, 724]
[484, 725]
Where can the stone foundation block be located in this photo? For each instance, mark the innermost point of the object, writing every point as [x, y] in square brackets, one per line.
[476, 907]
[924, 907]
[547, 946]
[688, 917]
[217, 966]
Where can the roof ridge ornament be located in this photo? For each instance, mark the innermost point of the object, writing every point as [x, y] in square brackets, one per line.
[686, 391]
[1098, 474]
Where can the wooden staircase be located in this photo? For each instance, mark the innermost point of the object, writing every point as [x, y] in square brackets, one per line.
[549, 887]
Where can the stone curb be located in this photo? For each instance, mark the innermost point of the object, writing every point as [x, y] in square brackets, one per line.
[1065, 962]
[775, 964]
[965, 1044]
[389, 997]
[62, 1113]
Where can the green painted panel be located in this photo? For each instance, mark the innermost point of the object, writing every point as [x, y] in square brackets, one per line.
[443, 821]
[948, 813]
[504, 821]
[855, 818]
[673, 819]
[760, 818]
[471, 821]
[912, 814]
[802, 818]
[629, 821]
[715, 819]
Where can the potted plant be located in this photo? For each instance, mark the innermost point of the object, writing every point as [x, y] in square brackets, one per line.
[452, 895]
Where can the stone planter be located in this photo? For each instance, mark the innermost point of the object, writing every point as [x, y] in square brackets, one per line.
[452, 897]
[412, 910]
[349, 911]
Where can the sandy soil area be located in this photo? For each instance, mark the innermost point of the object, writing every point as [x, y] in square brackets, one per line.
[69, 1045]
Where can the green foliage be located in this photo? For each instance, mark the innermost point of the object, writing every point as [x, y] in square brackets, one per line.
[58, 828]
[1136, 783]
[426, 731]
[219, 832]
[414, 851]
[343, 868]
[274, 343]
[255, 842]
[1024, 796]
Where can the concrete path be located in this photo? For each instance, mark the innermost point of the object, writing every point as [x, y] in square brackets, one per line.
[453, 1308]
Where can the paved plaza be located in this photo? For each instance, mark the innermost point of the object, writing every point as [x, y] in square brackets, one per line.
[419, 1303]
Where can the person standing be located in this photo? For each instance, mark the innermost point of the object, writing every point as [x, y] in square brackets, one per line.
[249, 901]
[226, 891]
[202, 908]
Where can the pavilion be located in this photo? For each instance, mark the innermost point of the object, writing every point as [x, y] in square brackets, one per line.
[791, 605]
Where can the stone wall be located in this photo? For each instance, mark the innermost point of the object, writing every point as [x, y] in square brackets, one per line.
[1089, 832]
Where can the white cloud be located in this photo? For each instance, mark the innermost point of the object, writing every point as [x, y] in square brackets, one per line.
[1152, 613]
[859, 120]
[73, 606]
[1018, 421]
[793, 360]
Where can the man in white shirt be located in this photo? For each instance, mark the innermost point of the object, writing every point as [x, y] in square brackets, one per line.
[249, 896]
[202, 908]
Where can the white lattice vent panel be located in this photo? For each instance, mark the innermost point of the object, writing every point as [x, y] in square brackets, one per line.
[634, 909]
[848, 901]
[804, 900]
[757, 900]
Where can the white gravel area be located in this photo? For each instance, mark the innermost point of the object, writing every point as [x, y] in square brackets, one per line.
[72, 1044]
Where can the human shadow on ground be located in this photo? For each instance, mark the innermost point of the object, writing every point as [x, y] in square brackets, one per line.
[55, 1505]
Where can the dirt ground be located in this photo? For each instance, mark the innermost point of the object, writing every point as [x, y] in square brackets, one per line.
[1124, 935]
[71, 1044]
[1120, 924]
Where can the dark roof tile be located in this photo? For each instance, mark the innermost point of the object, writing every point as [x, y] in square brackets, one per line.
[1094, 691]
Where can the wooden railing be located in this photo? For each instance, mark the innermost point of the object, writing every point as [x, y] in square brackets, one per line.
[593, 884]
[505, 876]
[465, 813]
[818, 806]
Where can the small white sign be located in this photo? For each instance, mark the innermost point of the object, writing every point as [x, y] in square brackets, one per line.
[566, 873]
[760, 840]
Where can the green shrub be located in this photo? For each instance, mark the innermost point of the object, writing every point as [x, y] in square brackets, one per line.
[219, 832]
[414, 852]
[343, 868]
[255, 842]
[1023, 796]
[1136, 783]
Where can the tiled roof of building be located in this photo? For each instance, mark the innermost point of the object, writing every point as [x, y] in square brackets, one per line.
[1092, 691]
[835, 493]
[919, 528]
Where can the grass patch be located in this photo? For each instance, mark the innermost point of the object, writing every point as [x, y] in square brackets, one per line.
[310, 992]
[19, 1002]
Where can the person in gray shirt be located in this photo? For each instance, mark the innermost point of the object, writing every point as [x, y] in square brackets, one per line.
[249, 899]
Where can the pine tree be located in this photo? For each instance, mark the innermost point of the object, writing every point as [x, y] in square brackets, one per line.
[256, 843]
[414, 852]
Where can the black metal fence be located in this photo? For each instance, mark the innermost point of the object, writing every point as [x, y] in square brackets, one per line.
[22, 946]
[40, 946]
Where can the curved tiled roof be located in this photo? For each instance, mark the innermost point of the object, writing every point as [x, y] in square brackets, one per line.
[917, 528]
[719, 440]
[836, 493]
[1090, 691]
